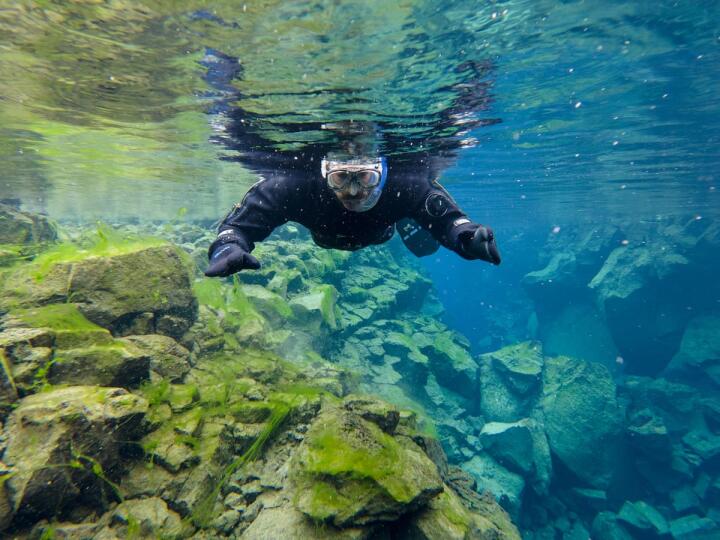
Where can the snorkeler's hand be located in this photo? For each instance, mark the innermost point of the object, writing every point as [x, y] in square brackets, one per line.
[228, 259]
[482, 245]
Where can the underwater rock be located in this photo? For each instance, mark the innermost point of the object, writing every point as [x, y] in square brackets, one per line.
[632, 279]
[642, 518]
[55, 344]
[522, 447]
[510, 380]
[316, 309]
[447, 518]
[168, 358]
[374, 410]
[349, 472]
[648, 437]
[698, 360]
[694, 527]
[149, 517]
[63, 447]
[290, 524]
[583, 420]
[112, 290]
[605, 526]
[453, 366]
[18, 227]
[270, 305]
[505, 486]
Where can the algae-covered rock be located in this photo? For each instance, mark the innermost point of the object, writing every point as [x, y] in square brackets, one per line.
[290, 524]
[63, 446]
[168, 358]
[145, 518]
[374, 410]
[18, 227]
[447, 518]
[349, 472]
[510, 380]
[583, 420]
[56, 344]
[316, 309]
[453, 366]
[112, 289]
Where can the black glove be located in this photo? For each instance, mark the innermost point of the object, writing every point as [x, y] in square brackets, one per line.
[226, 259]
[481, 245]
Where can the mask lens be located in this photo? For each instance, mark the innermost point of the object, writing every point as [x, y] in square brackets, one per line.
[338, 179]
[368, 179]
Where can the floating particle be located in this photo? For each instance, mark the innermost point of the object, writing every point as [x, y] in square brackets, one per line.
[623, 186]
[698, 218]
[570, 70]
[556, 229]
[619, 360]
[615, 143]
[625, 242]
[578, 104]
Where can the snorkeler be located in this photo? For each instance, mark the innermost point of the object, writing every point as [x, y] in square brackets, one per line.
[348, 204]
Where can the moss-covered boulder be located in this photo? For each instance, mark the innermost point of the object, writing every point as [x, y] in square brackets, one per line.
[168, 358]
[453, 366]
[56, 344]
[583, 420]
[510, 381]
[21, 233]
[446, 517]
[64, 448]
[349, 472]
[316, 309]
[111, 287]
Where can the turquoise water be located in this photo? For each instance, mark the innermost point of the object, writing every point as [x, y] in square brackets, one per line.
[587, 134]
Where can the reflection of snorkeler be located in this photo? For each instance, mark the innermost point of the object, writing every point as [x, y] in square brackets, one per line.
[347, 195]
[349, 204]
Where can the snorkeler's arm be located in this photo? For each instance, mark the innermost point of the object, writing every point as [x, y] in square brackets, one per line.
[266, 206]
[437, 212]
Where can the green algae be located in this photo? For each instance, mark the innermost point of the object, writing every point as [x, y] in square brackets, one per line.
[56, 317]
[104, 242]
[202, 513]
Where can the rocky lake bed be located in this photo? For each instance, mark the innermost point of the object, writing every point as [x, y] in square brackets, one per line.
[323, 396]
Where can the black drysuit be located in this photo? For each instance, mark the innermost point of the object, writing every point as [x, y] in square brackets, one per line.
[304, 197]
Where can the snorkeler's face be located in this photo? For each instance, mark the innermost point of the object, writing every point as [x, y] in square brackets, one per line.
[352, 196]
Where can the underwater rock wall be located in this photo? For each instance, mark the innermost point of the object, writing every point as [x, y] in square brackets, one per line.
[141, 401]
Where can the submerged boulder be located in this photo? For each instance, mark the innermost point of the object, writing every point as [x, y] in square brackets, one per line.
[583, 420]
[111, 289]
[505, 486]
[522, 447]
[22, 228]
[64, 448]
[698, 359]
[349, 472]
[633, 279]
[447, 518]
[510, 381]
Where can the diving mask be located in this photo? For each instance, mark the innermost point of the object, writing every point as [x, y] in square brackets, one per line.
[365, 174]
